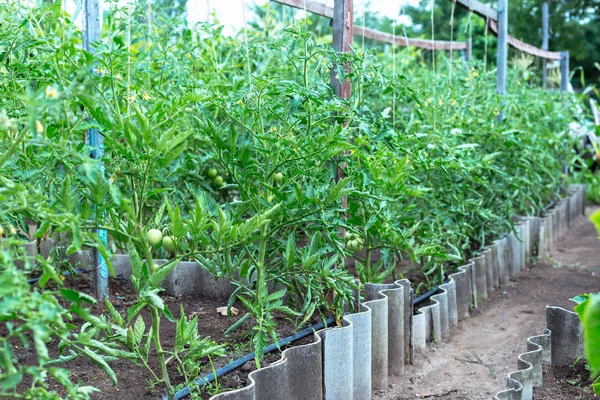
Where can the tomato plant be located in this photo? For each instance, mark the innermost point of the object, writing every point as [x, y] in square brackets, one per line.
[250, 165]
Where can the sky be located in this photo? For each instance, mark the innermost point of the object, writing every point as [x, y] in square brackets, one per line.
[230, 12]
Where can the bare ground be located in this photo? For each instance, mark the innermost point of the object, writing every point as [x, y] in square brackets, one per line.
[474, 362]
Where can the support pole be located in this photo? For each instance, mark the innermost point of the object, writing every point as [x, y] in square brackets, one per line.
[564, 71]
[469, 51]
[545, 40]
[91, 34]
[502, 63]
[343, 30]
[343, 26]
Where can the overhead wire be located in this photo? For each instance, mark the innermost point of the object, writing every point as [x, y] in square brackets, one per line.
[433, 64]
[394, 72]
[485, 54]
[451, 42]
[245, 29]
[129, 39]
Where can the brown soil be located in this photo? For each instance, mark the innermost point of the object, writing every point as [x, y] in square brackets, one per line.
[134, 382]
[474, 362]
[566, 383]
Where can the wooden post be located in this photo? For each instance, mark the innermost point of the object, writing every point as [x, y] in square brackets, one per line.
[343, 25]
[502, 63]
[469, 51]
[545, 40]
[91, 34]
[564, 71]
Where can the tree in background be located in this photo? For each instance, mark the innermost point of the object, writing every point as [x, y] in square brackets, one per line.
[574, 26]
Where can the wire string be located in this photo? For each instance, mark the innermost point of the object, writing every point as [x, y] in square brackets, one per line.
[364, 25]
[129, 96]
[394, 72]
[451, 42]
[485, 54]
[433, 65]
[305, 16]
[148, 36]
[246, 43]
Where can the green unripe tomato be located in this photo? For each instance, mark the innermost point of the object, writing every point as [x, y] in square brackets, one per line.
[354, 245]
[218, 181]
[154, 237]
[212, 172]
[278, 177]
[168, 243]
[349, 236]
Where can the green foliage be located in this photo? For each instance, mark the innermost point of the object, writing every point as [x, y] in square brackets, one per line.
[414, 167]
[588, 309]
[34, 317]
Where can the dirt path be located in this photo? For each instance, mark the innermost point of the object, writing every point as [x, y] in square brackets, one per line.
[473, 364]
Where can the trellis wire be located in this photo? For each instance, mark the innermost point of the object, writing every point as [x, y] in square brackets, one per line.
[485, 53]
[469, 25]
[305, 16]
[403, 12]
[451, 40]
[394, 74]
[433, 66]
[129, 95]
[364, 15]
[246, 43]
[148, 36]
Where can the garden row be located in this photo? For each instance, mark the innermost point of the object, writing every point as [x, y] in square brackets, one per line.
[353, 360]
[242, 169]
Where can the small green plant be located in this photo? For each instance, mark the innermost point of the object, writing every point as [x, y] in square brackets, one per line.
[32, 318]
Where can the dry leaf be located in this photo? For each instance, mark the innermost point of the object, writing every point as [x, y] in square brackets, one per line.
[223, 311]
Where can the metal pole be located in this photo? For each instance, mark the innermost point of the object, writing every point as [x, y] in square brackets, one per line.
[545, 40]
[91, 34]
[502, 63]
[564, 71]
[343, 25]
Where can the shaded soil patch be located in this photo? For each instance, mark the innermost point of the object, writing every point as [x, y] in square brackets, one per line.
[565, 383]
[134, 382]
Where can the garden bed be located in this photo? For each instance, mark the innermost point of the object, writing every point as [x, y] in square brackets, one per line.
[565, 383]
[434, 319]
[134, 381]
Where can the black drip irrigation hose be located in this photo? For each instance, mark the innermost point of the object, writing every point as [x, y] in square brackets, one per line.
[290, 339]
[557, 193]
[553, 202]
[249, 357]
[427, 295]
[65, 273]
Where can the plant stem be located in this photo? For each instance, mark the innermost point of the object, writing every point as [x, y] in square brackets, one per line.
[261, 286]
[159, 351]
[368, 256]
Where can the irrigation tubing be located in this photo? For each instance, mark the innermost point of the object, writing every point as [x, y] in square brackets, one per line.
[290, 339]
[249, 357]
[65, 273]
